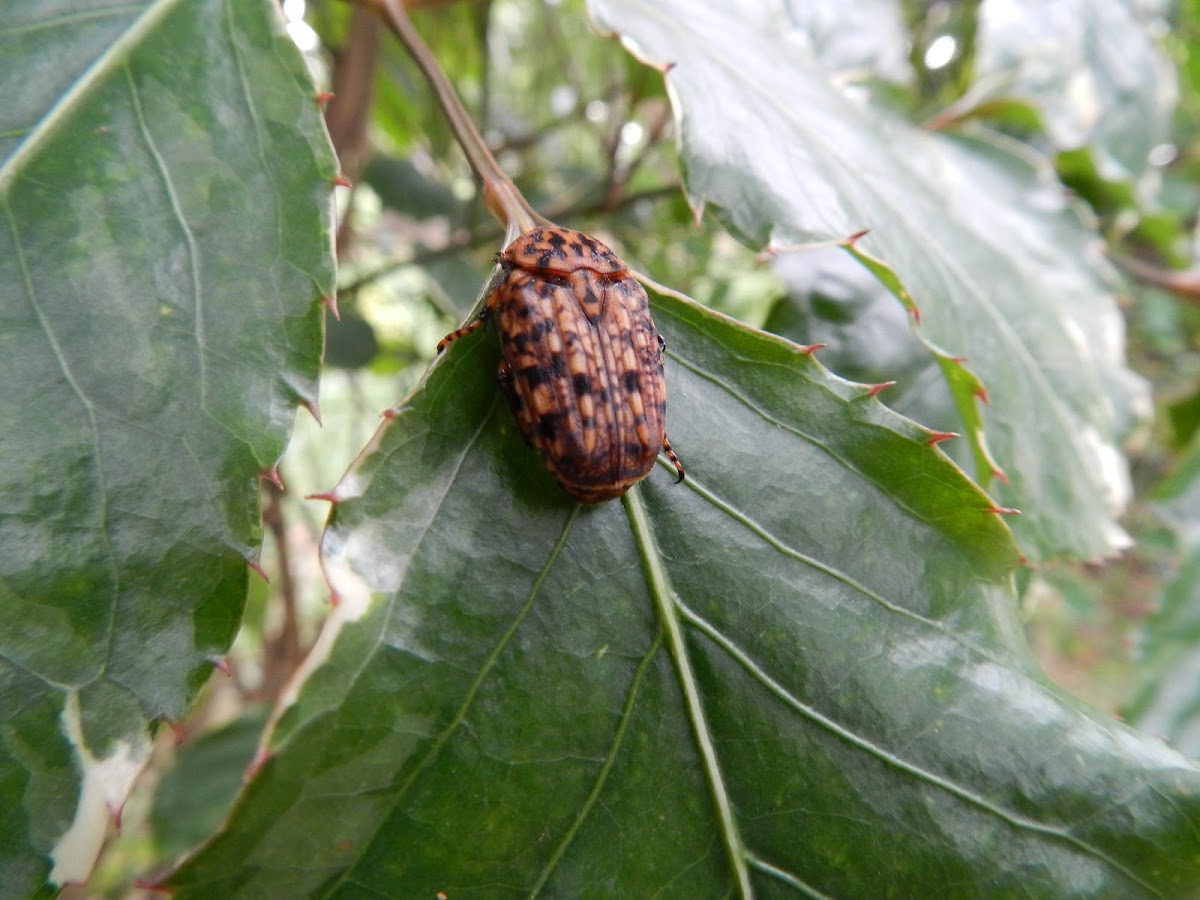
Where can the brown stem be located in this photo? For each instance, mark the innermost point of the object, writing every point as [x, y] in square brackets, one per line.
[464, 239]
[282, 652]
[1184, 284]
[499, 193]
[347, 113]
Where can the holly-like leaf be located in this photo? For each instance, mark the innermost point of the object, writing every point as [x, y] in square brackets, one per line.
[797, 671]
[164, 241]
[975, 235]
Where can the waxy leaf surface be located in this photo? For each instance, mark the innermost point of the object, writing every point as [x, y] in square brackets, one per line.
[164, 177]
[799, 671]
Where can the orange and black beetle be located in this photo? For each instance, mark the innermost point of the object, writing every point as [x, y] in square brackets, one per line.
[581, 362]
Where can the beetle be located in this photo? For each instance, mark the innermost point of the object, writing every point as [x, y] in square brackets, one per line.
[581, 362]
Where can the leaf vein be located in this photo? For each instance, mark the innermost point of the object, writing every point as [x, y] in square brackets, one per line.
[601, 778]
[193, 248]
[473, 689]
[1015, 820]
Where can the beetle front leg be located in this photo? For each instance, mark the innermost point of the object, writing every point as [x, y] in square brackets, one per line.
[488, 291]
[465, 330]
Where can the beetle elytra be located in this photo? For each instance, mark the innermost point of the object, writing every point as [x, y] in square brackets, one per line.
[581, 362]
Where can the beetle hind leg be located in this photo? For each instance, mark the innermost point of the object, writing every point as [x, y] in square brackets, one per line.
[666, 445]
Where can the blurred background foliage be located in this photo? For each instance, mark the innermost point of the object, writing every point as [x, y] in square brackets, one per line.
[587, 134]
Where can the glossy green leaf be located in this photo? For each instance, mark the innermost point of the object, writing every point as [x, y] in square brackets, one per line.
[1091, 67]
[159, 324]
[798, 671]
[975, 234]
[195, 793]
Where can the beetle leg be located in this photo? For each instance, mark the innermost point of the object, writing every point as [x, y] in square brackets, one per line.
[489, 296]
[662, 344]
[673, 458]
[465, 330]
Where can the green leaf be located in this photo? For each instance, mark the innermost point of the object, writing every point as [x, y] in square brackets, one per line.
[970, 231]
[868, 37]
[833, 300]
[1168, 702]
[159, 325]
[196, 792]
[1093, 69]
[737, 683]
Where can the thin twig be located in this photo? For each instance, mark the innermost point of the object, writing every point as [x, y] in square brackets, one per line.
[1183, 283]
[499, 193]
[464, 239]
[282, 652]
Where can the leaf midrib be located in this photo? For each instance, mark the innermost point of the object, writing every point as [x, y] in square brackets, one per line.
[106, 65]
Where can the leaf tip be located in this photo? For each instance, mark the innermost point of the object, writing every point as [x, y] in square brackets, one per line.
[874, 390]
[343, 181]
[313, 409]
[915, 312]
[177, 731]
[324, 97]
[327, 496]
[936, 437]
[272, 475]
[999, 474]
[982, 394]
[115, 812]
[810, 349]
[330, 303]
[261, 757]
[221, 664]
[1003, 510]
[258, 570]
[849, 242]
[390, 413]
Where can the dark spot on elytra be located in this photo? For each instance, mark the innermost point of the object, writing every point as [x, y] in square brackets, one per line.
[634, 449]
[582, 384]
[631, 381]
[547, 426]
[544, 258]
[558, 365]
[534, 376]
